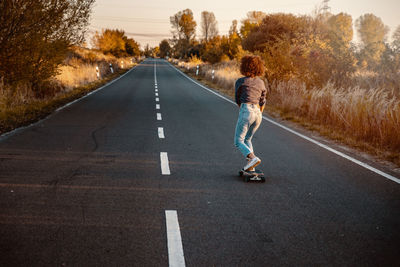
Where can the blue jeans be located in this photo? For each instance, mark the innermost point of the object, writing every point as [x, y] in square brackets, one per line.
[248, 122]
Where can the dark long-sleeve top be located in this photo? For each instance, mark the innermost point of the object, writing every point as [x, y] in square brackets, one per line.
[250, 90]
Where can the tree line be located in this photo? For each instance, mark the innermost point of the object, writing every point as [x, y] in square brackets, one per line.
[312, 48]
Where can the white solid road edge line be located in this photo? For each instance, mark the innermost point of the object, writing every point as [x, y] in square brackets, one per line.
[360, 163]
[161, 133]
[174, 240]
[8, 134]
[164, 163]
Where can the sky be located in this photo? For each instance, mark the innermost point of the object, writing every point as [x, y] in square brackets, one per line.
[147, 21]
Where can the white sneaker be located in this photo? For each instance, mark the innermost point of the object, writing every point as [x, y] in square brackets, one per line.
[251, 169]
[252, 163]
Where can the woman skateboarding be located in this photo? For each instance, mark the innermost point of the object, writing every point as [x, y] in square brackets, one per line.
[250, 93]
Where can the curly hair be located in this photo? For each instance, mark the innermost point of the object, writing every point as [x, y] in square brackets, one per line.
[252, 66]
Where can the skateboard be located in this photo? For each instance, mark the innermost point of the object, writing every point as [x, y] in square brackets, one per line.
[256, 175]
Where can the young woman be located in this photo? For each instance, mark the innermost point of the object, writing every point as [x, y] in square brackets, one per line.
[250, 93]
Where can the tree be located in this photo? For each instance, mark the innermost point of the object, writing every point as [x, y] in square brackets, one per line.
[372, 33]
[232, 45]
[115, 42]
[303, 47]
[35, 37]
[132, 48]
[209, 26]
[396, 39]
[254, 19]
[110, 41]
[212, 51]
[148, 51]
[183, 30]
[274, 27]
[340, 28]
[233, 29]
[165, 48]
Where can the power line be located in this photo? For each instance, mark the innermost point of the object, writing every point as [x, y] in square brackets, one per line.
[148, 35]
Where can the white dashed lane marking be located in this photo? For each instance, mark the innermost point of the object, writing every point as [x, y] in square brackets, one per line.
[174, 239]
[159, 118]
[164, 163]
[161, 133]
[157, 106]
[157, 99]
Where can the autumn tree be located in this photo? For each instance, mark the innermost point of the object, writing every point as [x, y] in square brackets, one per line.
[35, 37]
[212, 51]
[209, 26]
[253, 19]
[165, 48]
[132, 48]
[311, 49]
[396, 39]
[183, 30]
[340, 29]
[339, 36]
[115, 42]
[231, 44]
[110, 41]
[372, 33]
[274, 27]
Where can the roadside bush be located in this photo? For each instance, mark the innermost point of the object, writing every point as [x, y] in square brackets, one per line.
[35, 37]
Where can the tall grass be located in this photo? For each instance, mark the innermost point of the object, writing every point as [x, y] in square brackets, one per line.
[80, 67]
[364, 113]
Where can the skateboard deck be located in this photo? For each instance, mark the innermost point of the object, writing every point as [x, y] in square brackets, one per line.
[256, 175]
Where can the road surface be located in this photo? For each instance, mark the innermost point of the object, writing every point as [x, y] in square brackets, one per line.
[144, 173]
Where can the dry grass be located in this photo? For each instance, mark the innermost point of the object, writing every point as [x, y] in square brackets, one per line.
[365, 114]
[72, 77]
[80, 67]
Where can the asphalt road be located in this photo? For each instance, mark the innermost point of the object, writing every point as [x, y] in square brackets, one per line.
[85, 187]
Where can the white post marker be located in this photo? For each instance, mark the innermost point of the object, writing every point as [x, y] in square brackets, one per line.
[161, 133]
[197, 70]
[159, 117]
[164, 163]
[157, 106]
[122, 64]
[212, 76]
[97, 72]
[111, 68]
[174, 239]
